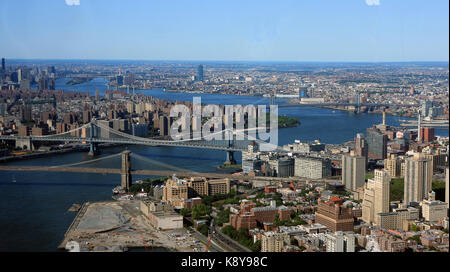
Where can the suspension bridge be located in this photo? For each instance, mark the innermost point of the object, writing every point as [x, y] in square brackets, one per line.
[126, 171]
[96, 132]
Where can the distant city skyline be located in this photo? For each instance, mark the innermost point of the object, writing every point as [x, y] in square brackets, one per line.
[264, 31]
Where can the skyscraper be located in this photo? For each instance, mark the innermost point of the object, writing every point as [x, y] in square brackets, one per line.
[43, 84]
[376, 196]
[52, 84]
[418, 174]
[200, 72]
[377, 144]
[361, 148]
[353, 171]
[3, 64]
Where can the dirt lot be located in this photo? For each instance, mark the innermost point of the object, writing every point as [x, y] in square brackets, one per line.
[117, 225]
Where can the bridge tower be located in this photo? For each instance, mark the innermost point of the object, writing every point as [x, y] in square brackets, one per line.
[230, 153]
[125, 172]
[93, 147]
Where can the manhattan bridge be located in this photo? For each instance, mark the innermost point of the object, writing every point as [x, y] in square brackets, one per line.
[96, 133]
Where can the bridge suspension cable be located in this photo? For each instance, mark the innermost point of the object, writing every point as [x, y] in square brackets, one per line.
[64, 133]
[86, 162]
[175, 168]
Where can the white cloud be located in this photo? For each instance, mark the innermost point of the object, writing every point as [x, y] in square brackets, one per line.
[373, 2]
[72, 2]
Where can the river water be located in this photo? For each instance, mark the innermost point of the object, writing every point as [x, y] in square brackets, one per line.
[33, 205]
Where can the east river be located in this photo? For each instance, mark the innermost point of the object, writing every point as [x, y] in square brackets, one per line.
[33, 205]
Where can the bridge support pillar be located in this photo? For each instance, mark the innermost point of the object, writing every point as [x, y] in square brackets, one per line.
[125, 174]
[230, 158]
[93, 149]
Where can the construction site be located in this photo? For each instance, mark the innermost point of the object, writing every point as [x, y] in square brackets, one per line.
[115, 226]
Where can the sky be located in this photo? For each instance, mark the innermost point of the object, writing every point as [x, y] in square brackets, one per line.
[229, 30]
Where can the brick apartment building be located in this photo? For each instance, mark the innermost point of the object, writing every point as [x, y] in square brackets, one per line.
[334, 215]
[251, 216]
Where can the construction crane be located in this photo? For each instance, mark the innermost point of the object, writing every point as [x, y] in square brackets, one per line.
[208, 244]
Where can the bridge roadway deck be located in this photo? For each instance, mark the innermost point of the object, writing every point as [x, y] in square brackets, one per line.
[325, 104]
[118, 171]
[203, 145]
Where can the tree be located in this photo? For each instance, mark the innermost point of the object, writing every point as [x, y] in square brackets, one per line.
[277, 221]
[203, 229]
[184, 212]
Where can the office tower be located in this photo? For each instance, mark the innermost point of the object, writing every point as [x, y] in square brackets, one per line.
[376, 196]
[340, 242]
[97, 95]
[361, 148]
[353, 172]
[418, 174]
[393, 165]
[377, 144]
[3, 64]
[200, 72]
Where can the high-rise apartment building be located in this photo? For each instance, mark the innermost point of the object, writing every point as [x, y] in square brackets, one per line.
[361, 148]
[393, 165]
[418, 174]
[164, 126]
[353, 172]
